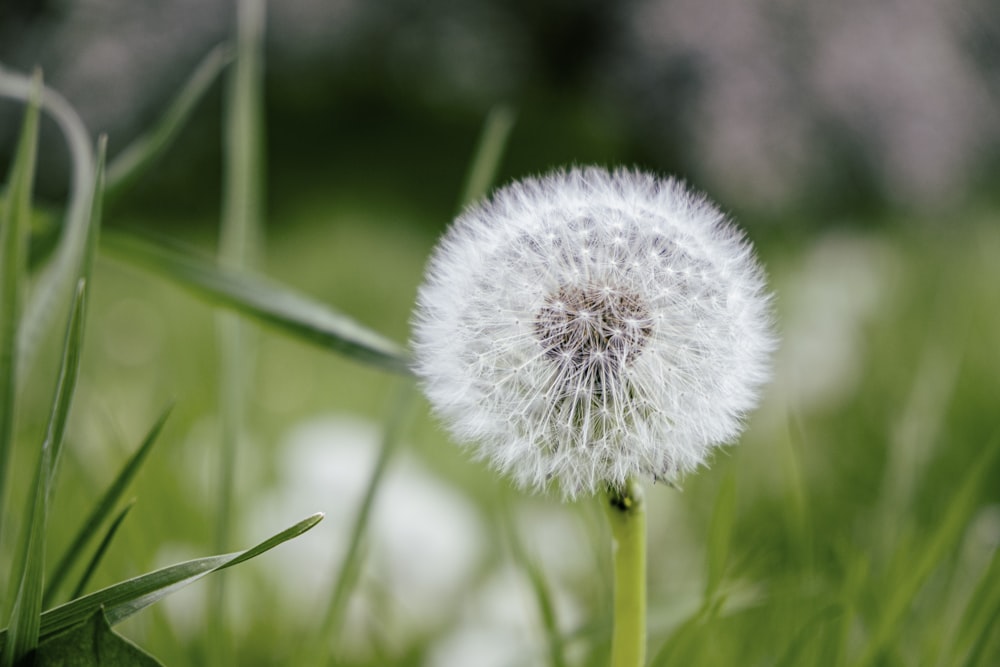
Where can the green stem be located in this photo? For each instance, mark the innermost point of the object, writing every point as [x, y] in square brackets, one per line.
[627, 516]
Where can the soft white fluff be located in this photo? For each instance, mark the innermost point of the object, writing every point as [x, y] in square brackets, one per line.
[590, 326]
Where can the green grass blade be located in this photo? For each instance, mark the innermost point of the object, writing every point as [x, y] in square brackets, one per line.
[720, 532]
[143, 152]
[24, 620]
[807, 635]
[96, 211]
[982, 614]
[683, 643]
[492, 144]
[242, 204]
[103, 509]
[930, 555]
[124, 599]
[56, 283]
[101, 549]
[93, 644]
[264, 300]
[543, 595]
[153, 588]
[351, 566]
[14, 226]
[240, 240]
[679, 648]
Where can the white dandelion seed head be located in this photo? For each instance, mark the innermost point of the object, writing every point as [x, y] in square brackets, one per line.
[590, 326]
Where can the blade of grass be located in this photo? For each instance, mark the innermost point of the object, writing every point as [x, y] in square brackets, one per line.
[683, 645]
[14, 225]
[136, 158]
[263, 300]
[24, 618]
[807, 635]
[92, 224]
[101, 549]
[239, 242]
[981, 614]
[854, 582]
[543, 596]
[351, 566]
[56, 283]
[492, 144]
[797, 507]
[103, 509]
[720, 532]
[96, 209]
[125, 598]
[92, 644]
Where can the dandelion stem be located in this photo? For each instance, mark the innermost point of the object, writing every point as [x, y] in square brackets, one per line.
[627, 516]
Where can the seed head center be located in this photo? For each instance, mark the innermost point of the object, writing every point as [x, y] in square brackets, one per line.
[593, 329]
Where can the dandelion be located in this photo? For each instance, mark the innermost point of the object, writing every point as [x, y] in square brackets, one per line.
[590, 327]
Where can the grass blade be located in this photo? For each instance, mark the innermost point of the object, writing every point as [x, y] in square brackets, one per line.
[103, 509]
[239, 242]
[92, 644]
[124, 599]
[101, 548]
[351, 566]
[492, 144]
[543, 595]
[56, 283]
[14, 226]
[981, 616]
[264, 300]
[24, 620]
[720, 532]
[143, 152]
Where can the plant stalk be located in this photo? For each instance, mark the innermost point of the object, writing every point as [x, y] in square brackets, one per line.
[627, 516]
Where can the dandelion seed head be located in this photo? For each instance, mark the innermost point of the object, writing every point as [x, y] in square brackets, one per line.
[590, 326]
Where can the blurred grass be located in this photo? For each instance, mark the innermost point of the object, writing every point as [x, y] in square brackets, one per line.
[856, 525]
[814, 558]
[15, 219]
[241, 242]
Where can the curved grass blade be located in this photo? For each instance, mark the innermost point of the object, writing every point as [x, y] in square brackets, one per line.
[14, 224]
[264, 300]
[124, 599]
[55, 284]
[24, 618]
[101, 549]
[103, 509]
[143, 152]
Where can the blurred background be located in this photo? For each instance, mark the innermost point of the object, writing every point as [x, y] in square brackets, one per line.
[835, 111]
[857, 142]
